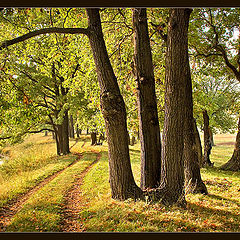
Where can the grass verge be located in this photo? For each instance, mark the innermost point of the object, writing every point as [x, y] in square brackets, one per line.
[42, 211]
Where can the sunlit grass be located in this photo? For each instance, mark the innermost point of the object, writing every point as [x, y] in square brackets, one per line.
[216, 212]
[42, 212]
[29, 163]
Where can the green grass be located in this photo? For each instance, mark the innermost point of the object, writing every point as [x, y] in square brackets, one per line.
[29, 163]
[42, 211]
[216, 212]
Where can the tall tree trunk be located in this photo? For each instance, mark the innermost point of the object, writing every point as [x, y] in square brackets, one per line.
[62, 137]
[71, 127]
[234, 163]
[94, 138]
[113, 109]
[193, 180]
[65, 134]
[207, 141]
[78, 131]
[197, 145]
[177, 74]
[46, 133]
[147, 105]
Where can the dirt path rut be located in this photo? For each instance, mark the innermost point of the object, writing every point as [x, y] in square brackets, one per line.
[8, 211]
[74, 203]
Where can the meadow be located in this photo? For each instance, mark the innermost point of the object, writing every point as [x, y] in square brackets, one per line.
[32, 169]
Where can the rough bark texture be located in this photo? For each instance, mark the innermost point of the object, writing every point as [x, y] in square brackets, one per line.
[207, 140]
[234, 163]
[197, 145]
[62, 136]
[193, 180]
[177, 71]
[71, 127]
[149, 131]
[113, 109]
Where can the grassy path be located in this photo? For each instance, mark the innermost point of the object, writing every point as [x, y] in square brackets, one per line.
[74, 203]
[8, 211]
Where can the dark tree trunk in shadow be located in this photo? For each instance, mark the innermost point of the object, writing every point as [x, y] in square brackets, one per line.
[71, 127]
[62, 137]
[113, 109]
[197, 145]
[149, 131]
[46, 133]
[78, 131]
[94, 138]
[234, 163]
[133, 140]
[207, 141]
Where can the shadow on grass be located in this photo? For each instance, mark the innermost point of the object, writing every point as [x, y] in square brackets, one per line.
[217, 197]
[229, 221]
[134, 150]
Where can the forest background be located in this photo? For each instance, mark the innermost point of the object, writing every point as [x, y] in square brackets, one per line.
[49, 83]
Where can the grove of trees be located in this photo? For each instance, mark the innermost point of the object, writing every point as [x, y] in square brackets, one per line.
[153, 74]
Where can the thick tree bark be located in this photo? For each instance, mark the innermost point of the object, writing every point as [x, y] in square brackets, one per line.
[94, 138]
[147, 105]
[207, 141]
[113, 109]
[234, 163]
[62, 136]
[71, 127]
[177, 76]
[197, 145]
[193, 180]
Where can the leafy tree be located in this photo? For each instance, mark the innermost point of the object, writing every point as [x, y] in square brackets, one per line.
[214, 39]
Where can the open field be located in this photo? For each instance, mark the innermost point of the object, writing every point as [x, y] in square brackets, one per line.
[36, 187]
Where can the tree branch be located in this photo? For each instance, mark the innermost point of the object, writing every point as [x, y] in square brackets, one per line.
[38, 131]
[24, 37]
[233, 68]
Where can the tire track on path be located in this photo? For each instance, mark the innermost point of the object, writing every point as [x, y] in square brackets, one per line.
[74, 203]
[8, 211]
